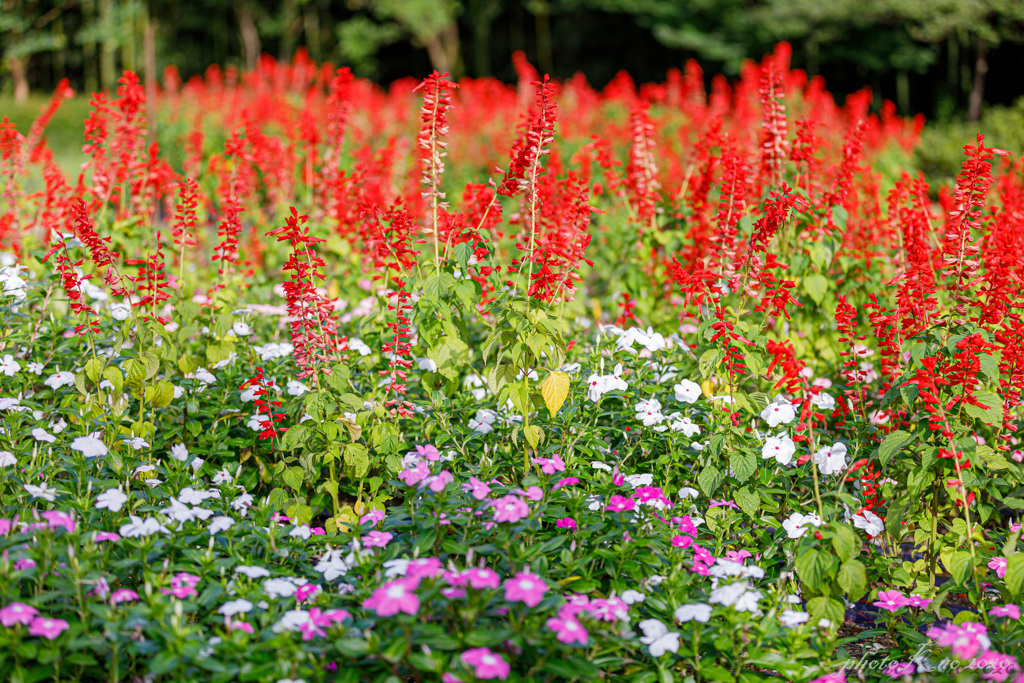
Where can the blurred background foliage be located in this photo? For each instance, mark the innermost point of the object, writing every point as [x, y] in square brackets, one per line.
[957, 61]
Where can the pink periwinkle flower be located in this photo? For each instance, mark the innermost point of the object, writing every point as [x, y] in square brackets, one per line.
[394, 597]
[702, 555]
[568, 631]
[685, 524]
[486, 664]
[56, 519]
[414, 475]
[995, 666]
[478, 489]
[566, 523]
[700, 569]
[372, 517]
[101, 536]
[241, 626]
[424, 567]
[999, 564]
[682, 541]
[377, 539]
[24, 563]
[510, 509]
[550, 465]
[648, 494]
[562, 483]
[305, 591]
[525, 587]
[620, 504]
[48, 628]
[438, 483]
[737, 555]
[482, 577]
[429, 452]
[891, 600]
[617, 477]
[123, 595]
[612, 608]
[317, 531]
[899, 669]
[1010, 611]
[17, 613]
[831, 678]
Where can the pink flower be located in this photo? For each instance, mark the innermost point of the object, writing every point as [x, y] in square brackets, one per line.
[24, 563]
[702, 555]
[477, 488]
[965, 641]
[617, 478]
[568, 631]
[123, 595]
[999, 564]
[394, 597]
[306, 591]
[180, 592]
[17, 613]
[995, 666]
[448, 678]
[723, 503]
[318, 531]
[567, 481]
[278, 517]
[377, 539]
[550, 465]
[429, 452]
[612, 608]
[918, 601]
[105, 536]
[575, 603]
[424, 567]
[700, 569]
[737, 555]
[620, 504]
[534, 493]
[651, 494]
[831, 678]
[185, 579]
[482, 577]
[900, 669]
[6, 525]
[47, 628]
[241, 626]
[891, 600]
[1011, 611]
[566, 523]
[438, 483]
[486, 664]
[682, 541]
[525, 587]
[510, 509]
[56, 518]
[372, 517]
[414, 475]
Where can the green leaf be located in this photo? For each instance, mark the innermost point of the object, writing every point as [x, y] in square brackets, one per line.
[743, 463]
[810, 567]
[748, 501]
[1015, 574]
[816, 285]
[160, 395]
[853, 579]
[959, 565]
[709, 480]
[357, 460]
[826, 608]
[845, 542]
[992, 414]
[293, 478]
[114, 376]
[708, 361]
[295, 437]
[892, 443]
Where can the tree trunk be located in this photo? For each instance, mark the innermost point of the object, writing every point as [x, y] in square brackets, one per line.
[443, 50]
[542, 28]
[978, 85]
[19, 74]
[248, 33]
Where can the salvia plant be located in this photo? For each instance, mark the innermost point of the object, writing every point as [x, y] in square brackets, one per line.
[308, 380]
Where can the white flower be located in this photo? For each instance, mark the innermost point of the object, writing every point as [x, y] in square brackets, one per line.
[247, 395]
[230, 609]
[396, 567]
[695, 612]
[356, 344]
[252, 572]
[687, 391]
[797, 524]
[241, 329]
[43, 491]
[58, 426]
[823, 401]
[687, 492]
[658, 638]
[7, 459]
[279, 588]
[631, 597]
[636, 480]
[649, 339]
[191, 496]
[60, 379]
[649, 412]
[483, 421]
[791, 618]
[301, 531]
[476, 386]
[426, 364]
[333, 565]
[90, 446]
[296, 388]
[220, 523]
[292, 620]
[737, 595]
[222, 477]
[137, 442]
[111, 499]
[727, 568]
[600, 466]
[684, 425]
[242, 503]
[780, 447]
[179, 452]
[35, 368]
[831, 459]
[779, 411]
[139, 527]
[120, 311]
[870, 522]
[9, 366]
[599, 385]
[257, 422]
[40, 434]
[205, 376]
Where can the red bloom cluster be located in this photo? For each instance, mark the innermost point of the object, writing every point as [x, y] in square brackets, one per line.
[260, 385]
